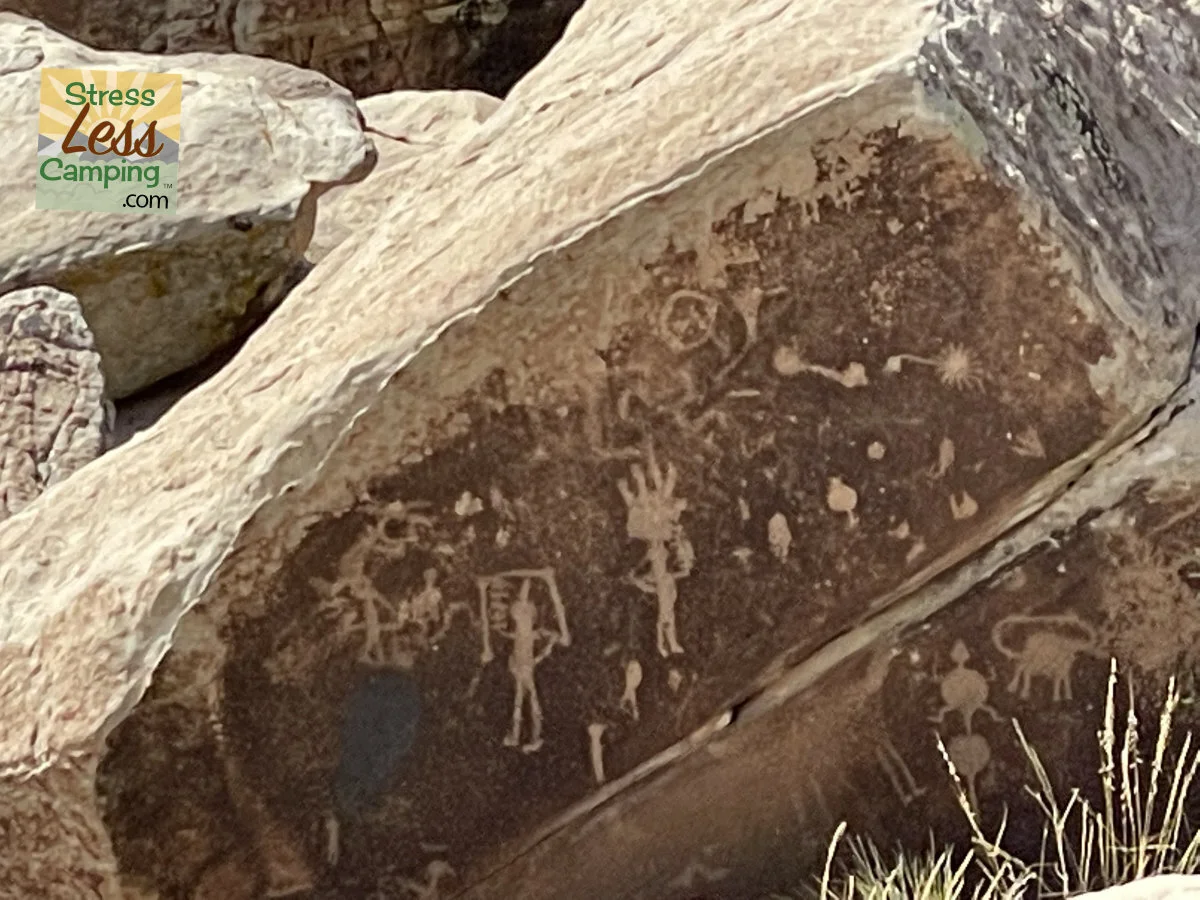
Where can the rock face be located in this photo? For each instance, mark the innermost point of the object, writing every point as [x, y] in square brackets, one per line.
[52, 413]
[263, 140]
[725, 354]
[405, 125]
[370, 46]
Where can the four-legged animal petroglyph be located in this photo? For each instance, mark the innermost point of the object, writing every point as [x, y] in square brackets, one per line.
[1047, 653]
[964, 691]
[517, 620]
[654, 514]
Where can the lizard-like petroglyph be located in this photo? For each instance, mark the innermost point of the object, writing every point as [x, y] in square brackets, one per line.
[964, 691]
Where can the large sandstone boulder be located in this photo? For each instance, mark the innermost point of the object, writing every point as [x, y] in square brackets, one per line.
[740, 329]
[261, 140]
[53, 418]
[405, 126]
[373, 46]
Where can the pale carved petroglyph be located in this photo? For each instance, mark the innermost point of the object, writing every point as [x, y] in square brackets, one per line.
[787, 362]
[945, 459]
[970, 754]
[898, 773]
[955, 366]
[633, 681]
[890, 761]
[779, 537]
[595, 733]
[841, 498]
[1028, 443]
[517, 621]
[430, 889]
[964, 691]
[963, 506]
[352, 596]
[1048, 652]
[876, 451]
[654, 514]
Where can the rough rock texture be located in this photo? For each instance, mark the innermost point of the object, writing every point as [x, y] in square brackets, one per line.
[405, 125]
[53, 419]
[726, 342]
[368, 45]
[262, 140]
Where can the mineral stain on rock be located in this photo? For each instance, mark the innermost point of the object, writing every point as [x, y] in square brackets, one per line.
[379, 727]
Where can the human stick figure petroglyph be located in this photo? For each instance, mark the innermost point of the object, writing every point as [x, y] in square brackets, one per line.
[517, 621]
[1048, 653]
[964, 691]
[654, 514]
[352, 595]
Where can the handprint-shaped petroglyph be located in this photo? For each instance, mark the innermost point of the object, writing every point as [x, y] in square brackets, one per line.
[654, 514]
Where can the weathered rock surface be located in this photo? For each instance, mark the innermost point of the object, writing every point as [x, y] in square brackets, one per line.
[727, 340]
[405, 125]
[262, 139]
[369, 46]
[53, 419]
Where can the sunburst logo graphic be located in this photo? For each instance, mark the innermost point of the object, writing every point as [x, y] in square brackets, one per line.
[108, 141]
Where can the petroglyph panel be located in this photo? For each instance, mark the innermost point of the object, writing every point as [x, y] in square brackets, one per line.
[1032, 644]
[699, 443]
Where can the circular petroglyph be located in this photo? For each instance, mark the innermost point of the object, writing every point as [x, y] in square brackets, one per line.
[687, 319]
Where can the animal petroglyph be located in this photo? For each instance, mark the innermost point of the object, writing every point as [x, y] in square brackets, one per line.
[787, 362]
[517, 621]
[964, 691]
[633, 681]
[654, 514]
[963, 508]
[970, 754]
[1048, 652]
[841, 498]
[595, 733]
[779, 536]
[955, 366]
